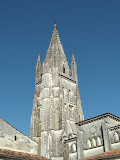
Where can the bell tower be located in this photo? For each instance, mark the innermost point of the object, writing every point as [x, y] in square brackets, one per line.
[57, 103]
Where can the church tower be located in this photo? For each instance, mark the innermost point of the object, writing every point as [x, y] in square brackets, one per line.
[57, 103]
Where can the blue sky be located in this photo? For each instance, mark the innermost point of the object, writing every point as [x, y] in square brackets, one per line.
[89, 28]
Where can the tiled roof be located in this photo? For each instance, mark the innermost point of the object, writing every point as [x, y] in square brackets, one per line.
[110, 154]
[5, 153]
[97, 118]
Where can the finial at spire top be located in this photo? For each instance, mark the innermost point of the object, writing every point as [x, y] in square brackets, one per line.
[55, 23]
[39, 57]
[38, 62]
[72, 54]
[73, 57]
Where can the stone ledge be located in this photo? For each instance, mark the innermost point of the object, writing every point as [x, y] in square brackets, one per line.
[105, 115]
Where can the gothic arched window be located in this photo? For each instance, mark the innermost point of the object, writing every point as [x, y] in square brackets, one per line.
[116, 137]
[73, 148]
[70, 96]
[15, 138]
[93, 142]
[89, 144]
[99, 141]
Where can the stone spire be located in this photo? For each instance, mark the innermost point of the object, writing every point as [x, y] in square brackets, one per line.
[73, 67]
[34, 117]
[55, 56]
[56, 105]
[38, 70]
[55, 47]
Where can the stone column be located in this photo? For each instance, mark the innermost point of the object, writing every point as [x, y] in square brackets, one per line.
[66, 151]
[80, 144]
[106, 141]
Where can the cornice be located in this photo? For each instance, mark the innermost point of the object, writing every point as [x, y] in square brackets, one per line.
[114, 128]
[105, 115]
[70, 139]
[67, 77]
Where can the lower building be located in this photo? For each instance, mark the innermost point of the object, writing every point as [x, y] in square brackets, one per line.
[95, 136]
[15, 145]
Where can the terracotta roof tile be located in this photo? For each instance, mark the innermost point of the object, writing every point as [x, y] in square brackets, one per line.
[109, 154]
[19, 155]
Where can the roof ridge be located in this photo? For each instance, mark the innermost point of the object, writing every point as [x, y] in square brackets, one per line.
[97, 117]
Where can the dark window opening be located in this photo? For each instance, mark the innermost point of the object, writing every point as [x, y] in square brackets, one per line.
[15, 138]
[63, 69]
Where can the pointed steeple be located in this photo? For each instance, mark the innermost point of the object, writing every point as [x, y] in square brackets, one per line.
[55, 47]
[55, 57]
[38, 69]
[57, 104]
[73, 57]
[73, 67]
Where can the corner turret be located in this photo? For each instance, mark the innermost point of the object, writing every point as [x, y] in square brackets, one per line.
[38, 70]
[73, 67]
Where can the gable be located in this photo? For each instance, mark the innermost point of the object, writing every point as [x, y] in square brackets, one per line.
[11, 138]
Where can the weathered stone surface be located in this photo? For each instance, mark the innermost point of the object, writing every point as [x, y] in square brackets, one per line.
[59, 100]
[57, 111]
[95, 136]
[11, 138]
